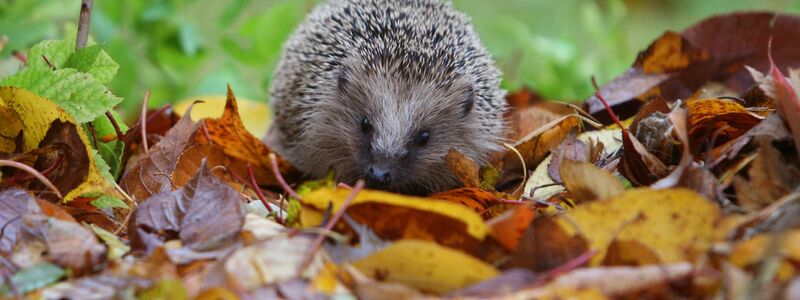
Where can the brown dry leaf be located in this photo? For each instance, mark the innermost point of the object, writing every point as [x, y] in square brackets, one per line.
[151, 174]
[69, 244]
[475, 198]
[677, 224]
[393, 217]
[717, 121]
[545, 245]
[229, 133]
[569, 149]
[14, 203]
[586, 182]
[535, 147]
[769, 178]
[206, 215]
[464, 168]
[727, 54]
[610, 281]
[641, 167]
[54, 211]
[748, 253]
[426, 266]
[509, 227]
[523, 121]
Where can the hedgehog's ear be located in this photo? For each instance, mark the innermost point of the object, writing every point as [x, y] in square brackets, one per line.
[467, 103]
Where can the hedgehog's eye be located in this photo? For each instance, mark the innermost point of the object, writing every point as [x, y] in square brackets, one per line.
[422, 138]
[366, 126]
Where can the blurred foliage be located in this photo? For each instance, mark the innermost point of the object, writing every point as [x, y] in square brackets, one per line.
[185, 48]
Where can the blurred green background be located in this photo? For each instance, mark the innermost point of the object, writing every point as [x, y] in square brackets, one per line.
[185, 48]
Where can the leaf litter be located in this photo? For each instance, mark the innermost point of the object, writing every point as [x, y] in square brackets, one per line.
[693, 192]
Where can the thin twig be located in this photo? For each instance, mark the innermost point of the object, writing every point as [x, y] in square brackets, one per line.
[83, 24]
[114, 123]
[524, 167]
[254, 186]
[275, 171]
[335, 219]
[143, 121]
[32, 171]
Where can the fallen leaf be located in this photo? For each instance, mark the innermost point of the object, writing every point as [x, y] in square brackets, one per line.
[45, 123]
[394, 217]
[206, 215]
[270, 261]
[546, 245]
[535, 147]
[254, 115]
[476, 199]
[229, 133]
[629, 253]
[610, 281]
[678, 224]
[151, 175]
[509, 227]
[724, 59]
[769, 178]
[432, 267]
[586, 182]
[717, 121]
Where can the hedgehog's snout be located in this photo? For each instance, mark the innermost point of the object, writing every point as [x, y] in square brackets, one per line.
[378, 177]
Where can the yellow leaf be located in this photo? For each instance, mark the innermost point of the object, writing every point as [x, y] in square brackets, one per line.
[255, 115]
[320, 199]
[36, 114]
[426, 266]
[677, 224]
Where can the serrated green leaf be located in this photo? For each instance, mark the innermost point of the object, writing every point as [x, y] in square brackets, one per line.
[56, 51]
[80, 94]
[105, 201]
[95, 61]
[102, 167]
[112, 152]
[32, 278]
[116, 248]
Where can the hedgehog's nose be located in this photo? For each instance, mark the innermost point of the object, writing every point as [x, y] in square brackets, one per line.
[378, 178]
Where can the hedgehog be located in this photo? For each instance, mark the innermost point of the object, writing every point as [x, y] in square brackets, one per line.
[381, 90]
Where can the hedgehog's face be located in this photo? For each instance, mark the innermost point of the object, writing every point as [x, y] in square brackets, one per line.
[394, 134]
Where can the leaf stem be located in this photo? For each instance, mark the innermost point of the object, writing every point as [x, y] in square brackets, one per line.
[32, 171]
[275, 171]
[143, 121]
[335, 219]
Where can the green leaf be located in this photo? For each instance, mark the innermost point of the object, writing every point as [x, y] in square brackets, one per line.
[33, 278]
[102, 167]
[116, 248]
[112, 152]
[95, 61]
[106, 201]
[80, 94]
[56, 51]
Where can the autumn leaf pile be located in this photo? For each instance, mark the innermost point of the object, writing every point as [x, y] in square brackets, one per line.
[680, 178]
